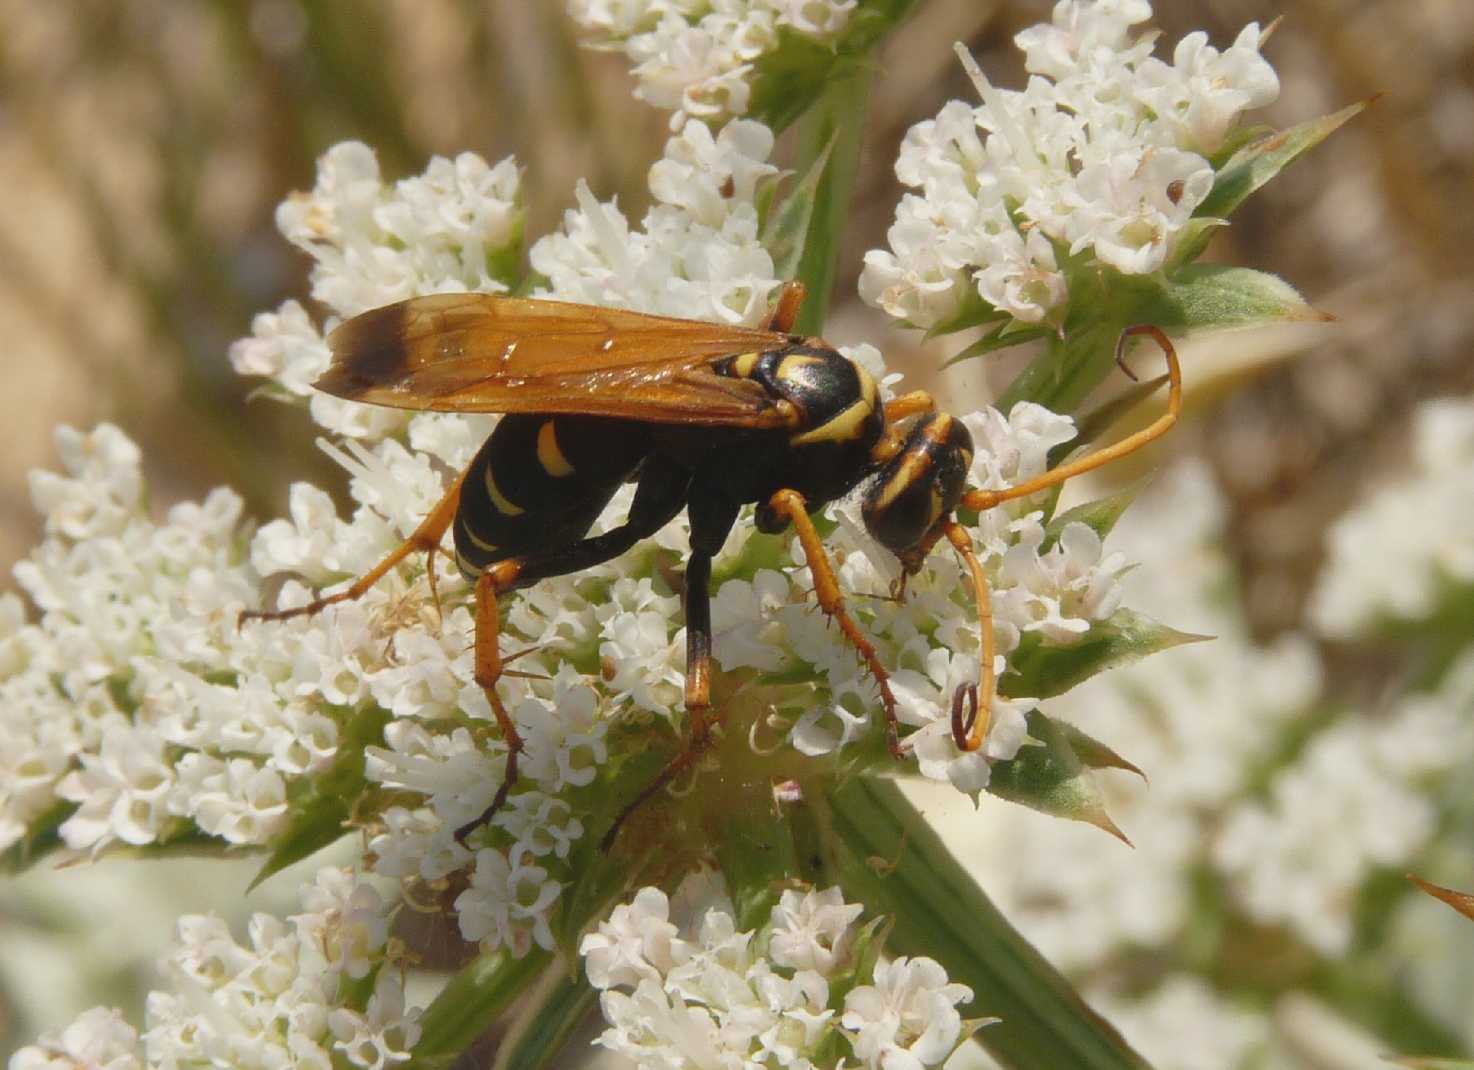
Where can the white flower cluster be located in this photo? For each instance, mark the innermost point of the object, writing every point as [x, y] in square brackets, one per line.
[272, 1003]
[1355, 800]
[1382, 566]
[697, 255]
[697, 57]
[140, 700]
[131, 696]
[1360, 795]
[705, 994]
[1104, 152]
[374, 243]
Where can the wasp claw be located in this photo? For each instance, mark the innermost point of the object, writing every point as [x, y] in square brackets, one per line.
[962, 725]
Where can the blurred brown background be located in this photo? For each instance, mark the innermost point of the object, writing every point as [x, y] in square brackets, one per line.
[145, 144]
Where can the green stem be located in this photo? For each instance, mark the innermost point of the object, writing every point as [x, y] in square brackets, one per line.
[837, 119]
[552, 1010]
[472, 1002]
[755, 851]
[884, 853]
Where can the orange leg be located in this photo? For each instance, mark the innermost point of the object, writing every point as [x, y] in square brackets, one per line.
[785, 311]
[986, 499]
[424, 539]
[488, 670]
[790, 503]
[917, 401]
[896, 410]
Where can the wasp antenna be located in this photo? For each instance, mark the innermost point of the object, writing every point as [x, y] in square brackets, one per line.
[982, 707]
[986, 499]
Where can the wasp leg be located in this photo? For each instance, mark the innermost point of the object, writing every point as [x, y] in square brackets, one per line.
[917, 401]
[424, 539]
[893, 439]
[488, 670]
[790, 504]
[986, 499]
[659, 497]
[970, 736]
[698, 689]
[785, 311]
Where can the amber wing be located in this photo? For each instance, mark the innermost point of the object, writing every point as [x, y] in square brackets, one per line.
[488, 353]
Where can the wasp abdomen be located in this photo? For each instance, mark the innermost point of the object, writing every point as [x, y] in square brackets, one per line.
[540, 481]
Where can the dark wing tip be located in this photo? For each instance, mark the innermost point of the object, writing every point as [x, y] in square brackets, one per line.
[369, 352]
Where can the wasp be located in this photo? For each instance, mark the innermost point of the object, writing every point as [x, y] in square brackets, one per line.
[701, 416]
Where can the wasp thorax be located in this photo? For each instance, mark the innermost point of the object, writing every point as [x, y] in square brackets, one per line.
[917, 488]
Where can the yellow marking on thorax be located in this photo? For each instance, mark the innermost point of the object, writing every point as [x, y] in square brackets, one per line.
[840, 428]
[867, 385]
[791, 363]
[743, 366]
[548, 453]
[498, 499]
[848, 423]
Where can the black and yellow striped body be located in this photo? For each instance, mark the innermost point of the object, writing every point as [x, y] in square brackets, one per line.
[828, 451]
[704, 417]
[540, 480]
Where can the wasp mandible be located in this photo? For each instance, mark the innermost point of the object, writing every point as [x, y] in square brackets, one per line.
[703, 417]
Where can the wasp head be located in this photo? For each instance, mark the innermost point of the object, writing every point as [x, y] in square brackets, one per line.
[917, 487]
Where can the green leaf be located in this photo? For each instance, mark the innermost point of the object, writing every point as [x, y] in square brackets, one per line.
[789, 79]
[321, 805]
[471, 1002]
[546, 1017]
[1008, 333]
[1415, 1062]
[1072, 365]
[975, 312]
[1191, 241]
[1099, 516]
[1255, 164]
[786, 230]
[1216, 296]
[1050, 777]
[886, 853]
[1042, 670]
[1094, 753]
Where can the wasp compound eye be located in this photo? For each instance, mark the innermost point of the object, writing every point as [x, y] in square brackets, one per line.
[917, 489]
